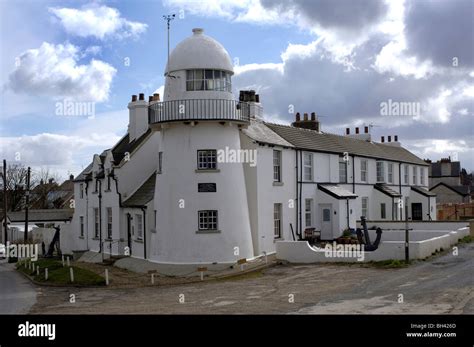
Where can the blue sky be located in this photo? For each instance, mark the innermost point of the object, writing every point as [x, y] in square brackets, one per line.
[341, 59]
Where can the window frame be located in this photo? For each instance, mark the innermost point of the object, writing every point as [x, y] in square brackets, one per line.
[277, 222]
[406, 174]
[390, 173]
[96, 222]
[415, 175]
[210, 220]
[109, 222]
[344, 170]
[139, 225]
[81, 190]
[306, 177]
[364, 170]
[422, 176]
[308, 212]
[366, 208]
[220, 80]
[277, 166]
[380, 171]
[210, 153]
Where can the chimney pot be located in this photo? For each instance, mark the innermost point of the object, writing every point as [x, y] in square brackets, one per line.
[298, 117]
[395, 138]
[357, 130]
[71, 177]
[382, 139]
[305, 116]
[156, 97]
[134, 98]
[141, 96]
[366, 130]
[348, 131]
[389, 138]
[257, 97]
[313, 116]
[150, 98]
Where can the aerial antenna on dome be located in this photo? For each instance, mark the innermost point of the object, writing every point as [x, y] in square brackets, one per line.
[168, 18]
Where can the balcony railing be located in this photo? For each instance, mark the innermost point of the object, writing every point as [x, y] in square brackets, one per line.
[198, 110]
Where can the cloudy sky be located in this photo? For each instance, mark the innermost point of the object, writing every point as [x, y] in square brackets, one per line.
[341, 59]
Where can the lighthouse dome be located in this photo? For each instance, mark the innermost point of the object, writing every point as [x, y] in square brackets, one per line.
[199, 51]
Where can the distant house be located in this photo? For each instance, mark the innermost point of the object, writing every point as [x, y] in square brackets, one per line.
[449, 182]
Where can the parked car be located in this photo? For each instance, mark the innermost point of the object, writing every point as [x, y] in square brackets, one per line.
[2, 251]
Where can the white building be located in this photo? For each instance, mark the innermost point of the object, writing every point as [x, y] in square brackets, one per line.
[166, 193]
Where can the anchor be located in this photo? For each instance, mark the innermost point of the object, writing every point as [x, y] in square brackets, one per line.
[364, 238]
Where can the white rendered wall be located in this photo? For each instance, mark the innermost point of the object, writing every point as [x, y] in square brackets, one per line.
[177, 240]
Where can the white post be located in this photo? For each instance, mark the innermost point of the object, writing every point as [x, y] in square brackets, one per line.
[62, 258]
[106, 277]
[68, 263]
[46, 274]
[241, 267]
[202, 275]
[152, 278]
[266, 258]
[71, 272]
[37, 270]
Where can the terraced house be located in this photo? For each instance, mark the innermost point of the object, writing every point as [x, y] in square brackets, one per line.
[163, 194]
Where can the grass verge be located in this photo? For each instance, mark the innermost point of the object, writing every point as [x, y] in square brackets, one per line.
[57, 274]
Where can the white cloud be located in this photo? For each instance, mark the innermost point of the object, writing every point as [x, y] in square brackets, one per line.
[68, 152]
[101, 22]
[53, 70]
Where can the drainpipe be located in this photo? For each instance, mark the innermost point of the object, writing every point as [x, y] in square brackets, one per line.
[297, 195]
[87, 214]
[100, 215]
[144, 231]
[301, 194]
[347, 208]
[353, 175]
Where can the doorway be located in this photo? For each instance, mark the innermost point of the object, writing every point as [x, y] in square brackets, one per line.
[417, 211]
[325, 213]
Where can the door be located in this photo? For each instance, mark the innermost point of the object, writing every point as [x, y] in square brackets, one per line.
[417, 211]
[325, 213]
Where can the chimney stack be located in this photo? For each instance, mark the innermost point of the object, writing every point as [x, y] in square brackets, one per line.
[306, 122]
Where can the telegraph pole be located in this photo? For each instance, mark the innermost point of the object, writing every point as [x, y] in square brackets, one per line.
[5, 200]
[27, 202]
[168, 18]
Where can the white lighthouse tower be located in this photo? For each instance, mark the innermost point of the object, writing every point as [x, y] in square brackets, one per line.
[201, 204]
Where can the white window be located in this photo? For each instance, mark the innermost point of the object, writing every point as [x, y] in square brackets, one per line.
[81, 190]
[308, 166]
[139, 225]
[365, 207]
[380, 171]
[81, 223]
[383, 211]
[277, 220]
[160, 162]
[308, 212]
[422, 176]
[207, 220]
[208, 80]
[109, 222]
[390, 173]
[415, 175]
[276, 166]
[343, 172]
[363, 170]
[207, 159]
[96, 222]
[405, 174]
